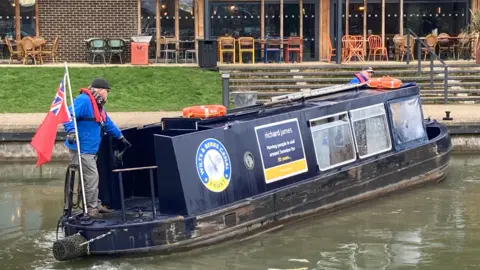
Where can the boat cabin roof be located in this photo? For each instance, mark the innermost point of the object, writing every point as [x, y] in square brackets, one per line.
[350, 99]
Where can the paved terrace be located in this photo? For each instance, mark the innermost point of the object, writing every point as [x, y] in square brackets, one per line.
[29, 122]
[353, 63]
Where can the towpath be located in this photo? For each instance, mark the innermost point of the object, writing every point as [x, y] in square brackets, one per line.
[29, 122]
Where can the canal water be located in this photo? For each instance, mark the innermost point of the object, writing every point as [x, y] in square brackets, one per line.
[431, 227]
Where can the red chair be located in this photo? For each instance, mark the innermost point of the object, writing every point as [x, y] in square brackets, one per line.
[294, 44]
[375, 43]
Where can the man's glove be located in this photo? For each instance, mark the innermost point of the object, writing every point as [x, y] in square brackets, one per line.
[127, 143]
[72, 138]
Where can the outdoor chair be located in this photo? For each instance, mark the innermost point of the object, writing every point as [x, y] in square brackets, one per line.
[18, 53]
[398, 43]
[356, 48]
[98, 47]
[273, 45]
[294, 44]
[192, 52]
[246, 45]
[331, 50]
[30, 49]
[444, 45]
[375, 45]
[226, 45]
[116, 47]
[51, 51]
[163, 42]
[403, 47]
[431, 41]
[464, 46]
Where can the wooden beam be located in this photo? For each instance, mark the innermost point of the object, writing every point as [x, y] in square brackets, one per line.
[17, 20]
[199, 8]
[281, 26]
[401, 17]
[139, 17]
[262, 26]
[177, 22]
[383, 23]
[301, 18]
[365, 25]
[158, 28]
[347, 13]
[37, 26]
[324, 28]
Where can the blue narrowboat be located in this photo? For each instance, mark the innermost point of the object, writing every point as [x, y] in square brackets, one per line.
[191, 182]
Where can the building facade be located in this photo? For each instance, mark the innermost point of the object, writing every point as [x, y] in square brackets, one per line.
[317, 22]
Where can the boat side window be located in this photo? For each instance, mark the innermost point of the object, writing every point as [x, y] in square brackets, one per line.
[407, 122]
[370, 130]
[333, 140]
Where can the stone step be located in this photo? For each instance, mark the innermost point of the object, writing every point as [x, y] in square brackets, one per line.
[384, 66]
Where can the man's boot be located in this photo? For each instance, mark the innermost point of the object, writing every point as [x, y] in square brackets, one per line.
[104, 210]
[94, 213]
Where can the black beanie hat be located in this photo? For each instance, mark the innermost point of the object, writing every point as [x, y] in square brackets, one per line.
[100, 83]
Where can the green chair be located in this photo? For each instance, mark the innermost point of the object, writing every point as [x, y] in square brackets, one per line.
[116, 46]
[98, 47]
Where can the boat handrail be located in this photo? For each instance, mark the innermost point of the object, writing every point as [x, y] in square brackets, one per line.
[152, 187]
[314, 93]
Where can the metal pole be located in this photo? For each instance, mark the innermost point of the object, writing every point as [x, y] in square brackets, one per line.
[339, 31]
[122, 201]
[207, 19]
[408, 47]
[419, 56]
[67, 75]
[152, 191]
[226, 89]
[445, 86]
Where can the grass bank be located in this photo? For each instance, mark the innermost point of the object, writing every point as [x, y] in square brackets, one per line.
[31, 89]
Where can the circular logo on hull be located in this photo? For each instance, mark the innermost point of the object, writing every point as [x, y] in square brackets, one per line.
[213, 165]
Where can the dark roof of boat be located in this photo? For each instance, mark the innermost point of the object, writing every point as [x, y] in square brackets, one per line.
[351, 96]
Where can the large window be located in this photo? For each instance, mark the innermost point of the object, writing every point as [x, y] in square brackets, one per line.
[7, 22]
[148, 17]
[235, 19]
[435, 16]
[186, 20]
[167, 18]
[333, 140]
[370, 129]
[27, 21]
[407, 121]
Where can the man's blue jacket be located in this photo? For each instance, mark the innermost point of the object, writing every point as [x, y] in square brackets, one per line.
[89, 131]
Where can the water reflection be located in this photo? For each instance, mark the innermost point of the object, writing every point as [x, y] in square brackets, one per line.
[433, 227]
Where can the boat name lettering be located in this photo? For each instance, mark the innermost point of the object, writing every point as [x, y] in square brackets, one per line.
[278, 132]
[281, 149]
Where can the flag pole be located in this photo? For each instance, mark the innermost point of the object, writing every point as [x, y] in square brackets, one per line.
[77, 140]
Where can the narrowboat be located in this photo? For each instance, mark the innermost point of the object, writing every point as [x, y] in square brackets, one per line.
[193, 182]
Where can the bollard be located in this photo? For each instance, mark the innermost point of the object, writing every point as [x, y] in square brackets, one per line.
[447, 116]
[226, 90]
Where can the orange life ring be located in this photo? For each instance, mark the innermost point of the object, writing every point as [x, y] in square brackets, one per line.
[385, 82]
[204, 111]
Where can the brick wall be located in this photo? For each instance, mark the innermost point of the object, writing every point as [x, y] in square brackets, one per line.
[73, 21]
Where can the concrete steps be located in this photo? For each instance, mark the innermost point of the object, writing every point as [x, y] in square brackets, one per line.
[280, 79]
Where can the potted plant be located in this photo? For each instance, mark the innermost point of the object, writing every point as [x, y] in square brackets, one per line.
[473, 30]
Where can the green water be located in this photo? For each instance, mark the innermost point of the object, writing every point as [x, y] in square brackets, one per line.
[432, 227]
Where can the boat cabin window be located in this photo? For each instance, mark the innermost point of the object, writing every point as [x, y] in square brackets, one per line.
[407, 122]
[333, 140]
[370, 130]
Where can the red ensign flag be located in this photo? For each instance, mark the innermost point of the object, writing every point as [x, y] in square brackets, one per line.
[44, 139]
